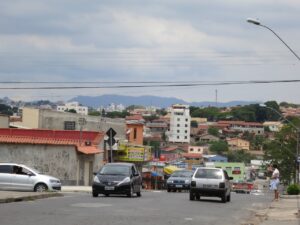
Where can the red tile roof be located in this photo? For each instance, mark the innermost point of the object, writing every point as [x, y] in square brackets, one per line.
[54, 137]
[192, 155]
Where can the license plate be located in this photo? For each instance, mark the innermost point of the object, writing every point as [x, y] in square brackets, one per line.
[207, 185]
[178, 186]
[109, 188]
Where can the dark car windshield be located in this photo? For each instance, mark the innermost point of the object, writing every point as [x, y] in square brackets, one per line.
[115, 170]
[182, 174]
[209, 174]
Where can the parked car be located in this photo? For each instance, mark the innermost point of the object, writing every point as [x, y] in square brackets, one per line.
[117, 178]
[179, 180]
[23, 178]
[212, 182]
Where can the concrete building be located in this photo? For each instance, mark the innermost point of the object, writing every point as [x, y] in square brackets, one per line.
[198, 149]
[49, 119]
[83, 110]
[71, 156]
[135, 129]
[241, 126]
[274, 126]
[238, 144]
[180, 127]
[4, 121]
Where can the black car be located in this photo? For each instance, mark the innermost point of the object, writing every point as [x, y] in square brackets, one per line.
[117, 178]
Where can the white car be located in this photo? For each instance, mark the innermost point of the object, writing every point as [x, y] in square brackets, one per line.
[212, 182]
[19, 177]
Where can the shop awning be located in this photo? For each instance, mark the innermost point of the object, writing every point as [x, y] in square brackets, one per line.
[171, 169]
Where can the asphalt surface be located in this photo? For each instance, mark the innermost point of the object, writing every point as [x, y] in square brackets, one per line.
[155, 208]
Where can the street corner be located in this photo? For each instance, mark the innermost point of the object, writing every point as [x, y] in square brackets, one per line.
[9, 196]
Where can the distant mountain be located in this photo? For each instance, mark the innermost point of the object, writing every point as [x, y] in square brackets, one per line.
[162, 102]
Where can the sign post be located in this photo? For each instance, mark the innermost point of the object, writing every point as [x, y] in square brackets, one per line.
[111, 141]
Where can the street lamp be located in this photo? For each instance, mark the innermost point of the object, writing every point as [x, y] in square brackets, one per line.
[297, 136]
[257, 22]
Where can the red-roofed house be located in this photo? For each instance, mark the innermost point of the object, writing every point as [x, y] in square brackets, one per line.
[242, 126]
[71, 156]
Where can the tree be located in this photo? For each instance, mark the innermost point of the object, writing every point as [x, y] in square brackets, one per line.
[219, 147]
[213, 131]
[6, 110]
[282, 151]
[94, 113]
[71, 110]
[239, 156]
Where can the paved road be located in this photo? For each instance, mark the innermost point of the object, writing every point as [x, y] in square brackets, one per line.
[155, 208]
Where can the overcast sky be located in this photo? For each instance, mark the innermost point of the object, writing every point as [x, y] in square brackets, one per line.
[156, 40]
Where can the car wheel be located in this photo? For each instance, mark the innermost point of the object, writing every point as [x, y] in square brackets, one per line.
[40, 188]
[139, 194]
[192, 196]
[228, 198]
[168, 190]
[130, 193]
[198, 197]
[95, 194]
[174, 190]
[224, 197]
[106, 195]
[179, 190]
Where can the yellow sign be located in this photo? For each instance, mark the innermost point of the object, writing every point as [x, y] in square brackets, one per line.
[131, 153]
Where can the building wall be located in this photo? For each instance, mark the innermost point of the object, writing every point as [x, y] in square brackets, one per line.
[62, 162]
[136, 133]
[4, 121]
[53, 120]
[180, 121]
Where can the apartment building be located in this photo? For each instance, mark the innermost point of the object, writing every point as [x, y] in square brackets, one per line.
[83, 110]
[180, 121]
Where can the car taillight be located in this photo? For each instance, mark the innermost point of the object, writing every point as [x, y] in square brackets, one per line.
[222, 185]
[193, 184]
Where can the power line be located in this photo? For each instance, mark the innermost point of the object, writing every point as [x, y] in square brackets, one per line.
[170, 84]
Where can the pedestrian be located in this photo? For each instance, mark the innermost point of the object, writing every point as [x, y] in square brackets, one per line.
[274, 183]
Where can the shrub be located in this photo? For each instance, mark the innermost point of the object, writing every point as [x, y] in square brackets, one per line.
[293, 189]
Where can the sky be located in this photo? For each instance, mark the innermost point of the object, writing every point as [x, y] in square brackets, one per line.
[111, 43]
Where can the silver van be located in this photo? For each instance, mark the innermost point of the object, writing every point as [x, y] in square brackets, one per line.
[212, 182]
[22, 178]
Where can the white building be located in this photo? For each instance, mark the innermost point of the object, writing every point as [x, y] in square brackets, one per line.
[180, 121]
[73, 105]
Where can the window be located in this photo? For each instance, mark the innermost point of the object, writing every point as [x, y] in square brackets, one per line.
[186, 125]
[185, 137]
[69, 125]
[178, 119]
[191, 149]
[185, 131]
[178, 131]
[178, 125]
[134, 133]
[5, 169]
[177, 137]
[186, 120]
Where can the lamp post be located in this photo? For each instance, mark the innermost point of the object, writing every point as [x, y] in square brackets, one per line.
[257, 22]
[297, 138]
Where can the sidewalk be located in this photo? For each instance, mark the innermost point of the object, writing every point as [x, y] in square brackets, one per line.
[283, 212]
[18, 196]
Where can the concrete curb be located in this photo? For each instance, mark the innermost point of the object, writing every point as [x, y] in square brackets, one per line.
[30, 197]
[290, 196]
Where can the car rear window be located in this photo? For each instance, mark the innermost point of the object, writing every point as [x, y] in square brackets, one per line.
[5, 169]
[208, 174]
[115, 170]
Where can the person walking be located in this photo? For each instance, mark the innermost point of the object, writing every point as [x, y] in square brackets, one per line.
[274, 183]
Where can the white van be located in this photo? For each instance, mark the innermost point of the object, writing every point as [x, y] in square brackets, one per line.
[19, 177]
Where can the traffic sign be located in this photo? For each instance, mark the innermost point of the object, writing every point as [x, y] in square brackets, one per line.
[111, 133]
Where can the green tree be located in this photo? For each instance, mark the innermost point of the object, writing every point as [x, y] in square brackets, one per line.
[282, 151]
[94, 113]
[239, 156]
[6, 110]
[219, 147]
[71, 110]
[213, 131]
